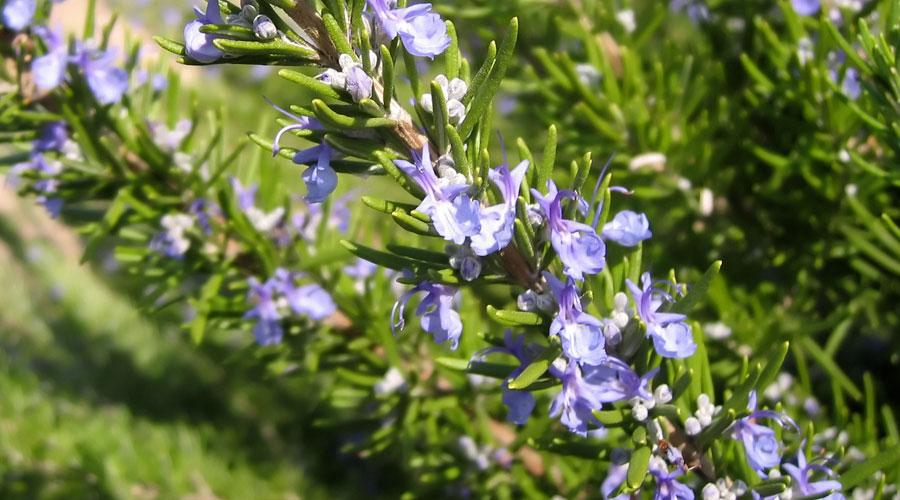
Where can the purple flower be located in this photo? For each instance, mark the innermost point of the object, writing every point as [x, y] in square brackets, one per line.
[107, 82]
[52, 137]
[18, 14]
[436, 311]
[498, 221]
[268, 329]
[361, 269]
[802, 484]
[695, 9]
[201, 209]
[454, 214]
[519, 403]
[422, 32]
[577, 400]
[806, 7]
[672, 338]
[615, 476]
[580, 333]
[627, 228]
[246, 196]
[351, 78]
[308, 300]
[199, 46]
[760, 444]
[49, 69]
[321, 180]
[667, 485]
[425, 36]
[579, 247]
[850, 86]
[616, 381]
[172, 241]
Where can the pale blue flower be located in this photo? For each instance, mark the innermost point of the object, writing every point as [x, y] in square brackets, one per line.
[454, 214]
[18, 14]
[616, 381]
[802, 484]
[422, 32]
[311, 300]
[519, 403]
[627, 228]
[321, 180]
[498, 221]
[107, 82]
[580, 333]
[49, 70]
[577, 401]
[579, 247]
[438, 317]
[761, 446]
[262, 296]
[198, 45]
[806, 7]
[667, 485]
[672, 337]
[615, 476]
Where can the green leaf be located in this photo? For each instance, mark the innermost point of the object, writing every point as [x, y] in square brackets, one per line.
[698, 291]
[838, 376]
[637, 468]
[387, 77]
[514, 318]
[412, 224]
[773, 366]
[337, 35]
[275, 47]
[386, 206]
[536, 368]
[612, 418]
[483, 72]
[484, 93]
[333, 119]
[210, 290]
[317, 87]
[451, 55]
[548, 160]
[384, 259]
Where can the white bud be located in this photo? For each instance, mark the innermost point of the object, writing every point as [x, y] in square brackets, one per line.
[639, 412]
[456, 111]
[264, 28]
[692, 426]
[702, 401]
[425, 102]
[717, 330]
[710, 492]
[620, 301]
[626, 19]
[527, 301]
[662, 394]
[620, 319]
[392, 382]
[706, 202]
[654, 161]
[457, 89]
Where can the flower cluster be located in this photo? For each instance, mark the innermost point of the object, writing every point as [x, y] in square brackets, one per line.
[281, 296]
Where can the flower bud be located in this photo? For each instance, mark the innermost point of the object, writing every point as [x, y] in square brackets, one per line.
[692, 426]
[264, 28]
[662, 394]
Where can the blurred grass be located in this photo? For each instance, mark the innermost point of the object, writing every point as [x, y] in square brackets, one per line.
[97, 402]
